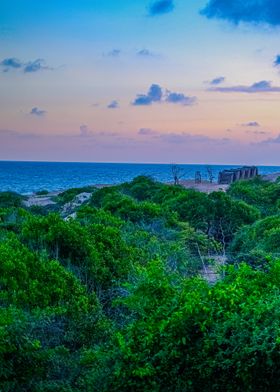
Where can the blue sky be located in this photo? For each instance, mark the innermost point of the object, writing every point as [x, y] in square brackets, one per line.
[67, 65]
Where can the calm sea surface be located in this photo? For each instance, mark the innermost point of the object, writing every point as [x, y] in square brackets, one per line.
[29, 177]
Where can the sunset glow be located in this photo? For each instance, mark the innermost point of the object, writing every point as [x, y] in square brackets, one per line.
[137, 81]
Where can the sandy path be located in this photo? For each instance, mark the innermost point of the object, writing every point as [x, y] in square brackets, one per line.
[271, 177]
[204, 186]
[41, 201]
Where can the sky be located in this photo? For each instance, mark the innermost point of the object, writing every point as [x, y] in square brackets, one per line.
[185, 81]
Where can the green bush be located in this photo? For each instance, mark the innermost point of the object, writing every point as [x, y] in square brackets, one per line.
[187, 337]
[112, 298]
[262, 194]
[68, 195]
[43, 192]
[10, 199]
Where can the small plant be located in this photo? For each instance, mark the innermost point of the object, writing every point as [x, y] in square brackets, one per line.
[43, 192]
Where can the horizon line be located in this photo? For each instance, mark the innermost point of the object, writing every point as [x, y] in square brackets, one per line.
[140, 163]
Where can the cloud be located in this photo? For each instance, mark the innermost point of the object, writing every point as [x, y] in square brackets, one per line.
[161, 7]
[35, 66]
[10, 63]
[37, 112]
[179, 98]
[113, 53]
[263, 86]
[248, 11]
[275, 140]
[257, 132]
[218, 80]
[187, 138]
[84, 131]
[113, 105]
[154, 94]
[31, 66]
[145, 53]
[147, 132]
[277, 61]
[180, 138]
[160, 95]
[9, 133]
[251, 124]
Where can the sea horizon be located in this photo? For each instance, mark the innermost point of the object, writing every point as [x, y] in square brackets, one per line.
[142, 163]
[28, 177]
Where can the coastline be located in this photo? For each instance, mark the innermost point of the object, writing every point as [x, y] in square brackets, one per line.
[205, 187]
[29, 178]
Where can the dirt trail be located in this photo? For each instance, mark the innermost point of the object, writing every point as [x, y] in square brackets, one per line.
[271, 177]
[204, 186]
[41, 200]
[213, 272]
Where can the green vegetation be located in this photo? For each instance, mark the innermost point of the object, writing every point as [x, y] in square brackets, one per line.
[43, 192]
[113, 297]
[11, 199]
[259, 193]
[68, 196]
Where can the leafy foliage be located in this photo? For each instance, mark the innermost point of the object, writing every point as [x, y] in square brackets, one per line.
[259, 193]
[189, 337]
[10, 199]
[68, 196]
[110, 297]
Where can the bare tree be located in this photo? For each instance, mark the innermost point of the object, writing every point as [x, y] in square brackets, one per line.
[197, 177]
[224, 257]
[177, 173]
[210, 174]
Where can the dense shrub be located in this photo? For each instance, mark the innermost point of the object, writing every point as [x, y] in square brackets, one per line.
[10, 199]
[259, 193]
[111, 298]
[187, 337]
[68, 195]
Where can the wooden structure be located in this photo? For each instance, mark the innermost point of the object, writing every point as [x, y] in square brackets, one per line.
[242, 173]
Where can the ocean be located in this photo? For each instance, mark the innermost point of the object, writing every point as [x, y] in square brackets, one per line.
[30, 177]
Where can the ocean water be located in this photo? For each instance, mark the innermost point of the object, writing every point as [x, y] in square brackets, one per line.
[30, 177]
